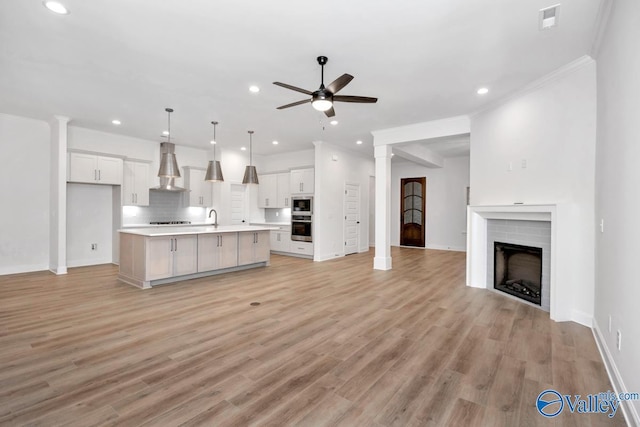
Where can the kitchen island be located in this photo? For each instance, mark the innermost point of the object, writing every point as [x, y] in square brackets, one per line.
[158, 255]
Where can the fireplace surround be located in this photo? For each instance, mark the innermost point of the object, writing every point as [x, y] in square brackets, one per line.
[563, 280]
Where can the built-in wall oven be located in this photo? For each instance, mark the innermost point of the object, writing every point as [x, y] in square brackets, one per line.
[302, 219]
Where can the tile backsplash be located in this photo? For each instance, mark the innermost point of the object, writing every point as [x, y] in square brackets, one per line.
[163, 206]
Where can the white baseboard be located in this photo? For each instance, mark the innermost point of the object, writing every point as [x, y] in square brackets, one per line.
[327, 257]
[17, 269]
[88, 262]
[447, 248]
[628, 409]
[582, 318]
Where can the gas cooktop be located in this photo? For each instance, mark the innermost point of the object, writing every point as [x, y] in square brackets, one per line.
[169, 222]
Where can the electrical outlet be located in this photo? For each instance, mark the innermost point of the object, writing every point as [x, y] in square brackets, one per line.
[602, 225]
[524, 163]
[510, 167]
[94, 246]
[619, 340]
[610, 323]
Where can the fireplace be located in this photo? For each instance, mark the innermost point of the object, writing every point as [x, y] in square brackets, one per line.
[518, 271]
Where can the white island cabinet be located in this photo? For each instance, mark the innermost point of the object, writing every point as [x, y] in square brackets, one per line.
[169, 256]
[253, 247]
[217, 250]
[158, 255]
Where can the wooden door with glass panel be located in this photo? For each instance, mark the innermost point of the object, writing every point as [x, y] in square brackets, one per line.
[412, 211]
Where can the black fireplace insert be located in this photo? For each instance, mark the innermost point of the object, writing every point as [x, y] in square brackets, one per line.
[517, 270]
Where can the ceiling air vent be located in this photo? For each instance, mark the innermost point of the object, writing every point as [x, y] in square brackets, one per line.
[548, 17]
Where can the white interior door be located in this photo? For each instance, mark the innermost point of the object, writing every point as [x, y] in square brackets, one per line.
[238, 204]
[351, 218]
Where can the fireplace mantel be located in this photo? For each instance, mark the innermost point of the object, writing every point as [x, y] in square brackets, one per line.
[562, 282]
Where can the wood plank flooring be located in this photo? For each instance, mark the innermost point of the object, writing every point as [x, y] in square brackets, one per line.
[332, 343]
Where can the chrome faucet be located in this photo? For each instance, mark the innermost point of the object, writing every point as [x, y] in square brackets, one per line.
[215, 221]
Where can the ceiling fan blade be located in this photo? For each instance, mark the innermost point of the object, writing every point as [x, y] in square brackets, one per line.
[297, 89]
[293, 104]
[361, 99]
[339, 83]
[330, 112]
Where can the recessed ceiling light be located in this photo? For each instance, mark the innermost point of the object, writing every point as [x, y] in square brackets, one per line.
[165, 132]
[56, 7]
[392, 154]
[334, 122]
[483, 91]
[254, 89]
[243, 148]
[212, 142]
[358, 142]
[116, 122]
[275, 142]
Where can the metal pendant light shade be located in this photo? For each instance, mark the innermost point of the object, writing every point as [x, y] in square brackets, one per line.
[214, 170]
[168, 163]
[250, 173]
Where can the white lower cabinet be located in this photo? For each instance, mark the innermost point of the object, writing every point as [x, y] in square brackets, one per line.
[169, 256]
[301, 248]
[281, 240]
[253, 247]
[217, 251]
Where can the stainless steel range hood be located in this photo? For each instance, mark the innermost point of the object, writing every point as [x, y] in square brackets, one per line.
[169, 169]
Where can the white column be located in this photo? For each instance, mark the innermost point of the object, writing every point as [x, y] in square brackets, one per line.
[382, 259]
[58, 196]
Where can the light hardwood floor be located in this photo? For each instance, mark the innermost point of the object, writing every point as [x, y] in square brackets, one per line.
[331, 343]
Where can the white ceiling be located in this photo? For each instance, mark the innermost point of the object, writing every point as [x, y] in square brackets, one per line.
[129, 60]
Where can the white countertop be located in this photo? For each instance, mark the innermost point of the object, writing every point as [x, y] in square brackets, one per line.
[191, 229]
[147, 225]
[274, 223]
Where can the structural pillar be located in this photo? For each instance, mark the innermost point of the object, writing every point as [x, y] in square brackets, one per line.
[58, 196]
[382, 259]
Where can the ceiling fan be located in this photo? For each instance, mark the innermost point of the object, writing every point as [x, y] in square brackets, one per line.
[323, 98]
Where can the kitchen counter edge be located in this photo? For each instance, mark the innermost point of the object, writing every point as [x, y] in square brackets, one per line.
[184, 230]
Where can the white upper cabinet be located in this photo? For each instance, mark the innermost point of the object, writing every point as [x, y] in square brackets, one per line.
[274, 191]
[201, 190]
[268, 191]
[302, 181]
[284, 190]
[94, 169]
[135, 187]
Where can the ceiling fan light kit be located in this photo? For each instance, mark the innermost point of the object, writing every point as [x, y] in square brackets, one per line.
[323, 98]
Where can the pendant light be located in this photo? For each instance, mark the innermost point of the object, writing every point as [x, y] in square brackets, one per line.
[168, 163]
[214, 171]
[250, 173]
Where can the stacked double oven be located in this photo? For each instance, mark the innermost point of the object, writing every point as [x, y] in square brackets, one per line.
[302, 219]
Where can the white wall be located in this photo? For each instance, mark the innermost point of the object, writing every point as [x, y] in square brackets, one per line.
[331, 177]
[552, 128]
[24, 217]
[89, 220]
[286, 161]
[445, 201]
[617, 202]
